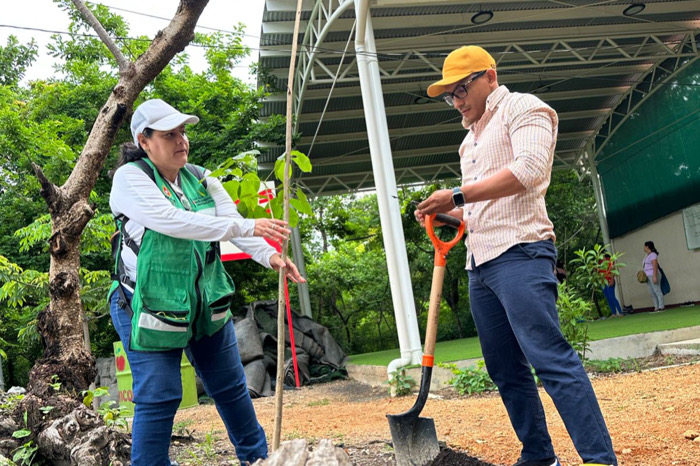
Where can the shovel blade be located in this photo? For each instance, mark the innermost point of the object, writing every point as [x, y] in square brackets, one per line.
[415, 440]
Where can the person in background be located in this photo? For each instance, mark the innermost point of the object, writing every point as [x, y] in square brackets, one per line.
[506, 161]
[170, 289]
[651, 269]
[606, 270]
[560, 271]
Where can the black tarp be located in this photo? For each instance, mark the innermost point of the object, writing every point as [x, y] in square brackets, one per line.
[319, 357]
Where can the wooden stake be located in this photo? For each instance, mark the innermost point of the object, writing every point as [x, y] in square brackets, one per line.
[280, 293]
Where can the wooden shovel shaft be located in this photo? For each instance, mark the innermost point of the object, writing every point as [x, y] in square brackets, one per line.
[433, 315]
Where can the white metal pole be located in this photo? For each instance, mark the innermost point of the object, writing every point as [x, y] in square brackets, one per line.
[602, 216]
[302, 288]
[387, 194]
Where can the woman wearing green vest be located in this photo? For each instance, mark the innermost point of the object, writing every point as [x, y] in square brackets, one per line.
[170, 289]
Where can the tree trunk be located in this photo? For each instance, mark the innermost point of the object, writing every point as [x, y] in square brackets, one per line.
[71, 433]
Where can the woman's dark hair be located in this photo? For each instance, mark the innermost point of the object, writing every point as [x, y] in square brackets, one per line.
[128, 152]
[650, 245]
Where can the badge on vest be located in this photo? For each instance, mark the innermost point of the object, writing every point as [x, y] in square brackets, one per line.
[167, 192]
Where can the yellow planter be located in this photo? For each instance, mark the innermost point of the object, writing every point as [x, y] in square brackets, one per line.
[125, 380]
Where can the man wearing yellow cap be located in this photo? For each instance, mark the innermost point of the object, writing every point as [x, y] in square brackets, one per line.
[506, 161]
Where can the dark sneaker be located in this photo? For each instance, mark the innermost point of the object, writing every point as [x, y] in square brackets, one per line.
[545, 462]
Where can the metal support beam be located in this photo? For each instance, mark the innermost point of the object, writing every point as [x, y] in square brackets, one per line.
[387, 193]
[602, 217]
[599, 199]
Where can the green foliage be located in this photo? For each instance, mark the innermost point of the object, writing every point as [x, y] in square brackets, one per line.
[589, 267]
[181, 428]
[352, 297]
[455, 311]
[241, 181]
[590, 263]
[323, 402]
[612, 365]
[89, 395]
[207, 448]
[470, 380]
[14, 60]
[572, 320]
[111, 412]
[46, 409]
[11, 402]
[400, 383]
[114, 414]
[22, 433]
[571, 207]
[47, 123]
[55, 383]
[25, 454]
[346, 266]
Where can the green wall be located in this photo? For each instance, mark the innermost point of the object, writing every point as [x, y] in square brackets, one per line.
[651, 165]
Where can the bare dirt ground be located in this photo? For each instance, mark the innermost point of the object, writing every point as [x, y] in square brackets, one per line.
[647, 415]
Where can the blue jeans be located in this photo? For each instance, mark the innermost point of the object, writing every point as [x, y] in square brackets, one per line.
[513, 303]
[609, 293]
[157, 391]
[655, 290]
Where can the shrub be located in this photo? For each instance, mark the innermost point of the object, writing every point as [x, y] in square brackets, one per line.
[572, 320]
[471, 379]
[611, 365]
[401, 383]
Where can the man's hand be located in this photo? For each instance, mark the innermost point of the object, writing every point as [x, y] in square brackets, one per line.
[438, 202]
[291, 271]
[420, 217]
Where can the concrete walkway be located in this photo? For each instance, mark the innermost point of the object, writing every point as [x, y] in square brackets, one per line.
[682, 341]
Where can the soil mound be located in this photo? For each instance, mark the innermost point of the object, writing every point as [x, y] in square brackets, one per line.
[450, 457]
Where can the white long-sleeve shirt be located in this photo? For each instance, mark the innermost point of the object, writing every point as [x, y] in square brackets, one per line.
[137, 197]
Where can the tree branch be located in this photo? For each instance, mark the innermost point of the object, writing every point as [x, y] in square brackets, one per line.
[166, 44]
[49, 191]
[102, 33]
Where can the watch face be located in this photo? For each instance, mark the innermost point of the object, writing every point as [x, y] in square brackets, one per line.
[457, 197]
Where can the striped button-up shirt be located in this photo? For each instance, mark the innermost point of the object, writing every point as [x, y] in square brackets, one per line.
[517, 131]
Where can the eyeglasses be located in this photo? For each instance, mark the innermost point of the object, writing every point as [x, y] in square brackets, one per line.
[461, 91]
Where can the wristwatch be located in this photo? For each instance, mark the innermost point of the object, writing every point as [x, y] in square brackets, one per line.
[458, 197]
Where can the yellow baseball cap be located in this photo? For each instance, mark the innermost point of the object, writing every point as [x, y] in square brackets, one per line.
[459, 64]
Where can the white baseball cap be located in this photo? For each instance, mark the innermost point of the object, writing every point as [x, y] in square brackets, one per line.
[158, 115]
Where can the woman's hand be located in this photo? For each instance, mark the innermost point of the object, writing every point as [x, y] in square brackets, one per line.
[291, 270]
[271, 228]
[654, 279]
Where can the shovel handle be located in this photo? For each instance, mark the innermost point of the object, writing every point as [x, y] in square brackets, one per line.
[433, 316]
[443, 247]
[441, 250]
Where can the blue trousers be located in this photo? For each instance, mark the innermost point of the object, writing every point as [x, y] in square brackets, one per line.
[513, 303]
[157, 391]
[609, 293]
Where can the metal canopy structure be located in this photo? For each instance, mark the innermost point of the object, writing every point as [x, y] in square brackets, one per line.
[592, 61]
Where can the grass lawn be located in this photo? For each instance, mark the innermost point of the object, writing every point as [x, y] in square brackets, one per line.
[468, 348]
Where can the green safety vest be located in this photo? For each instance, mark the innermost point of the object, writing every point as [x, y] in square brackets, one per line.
[182, 290]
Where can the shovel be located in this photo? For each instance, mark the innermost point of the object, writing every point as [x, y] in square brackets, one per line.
[414, 438]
